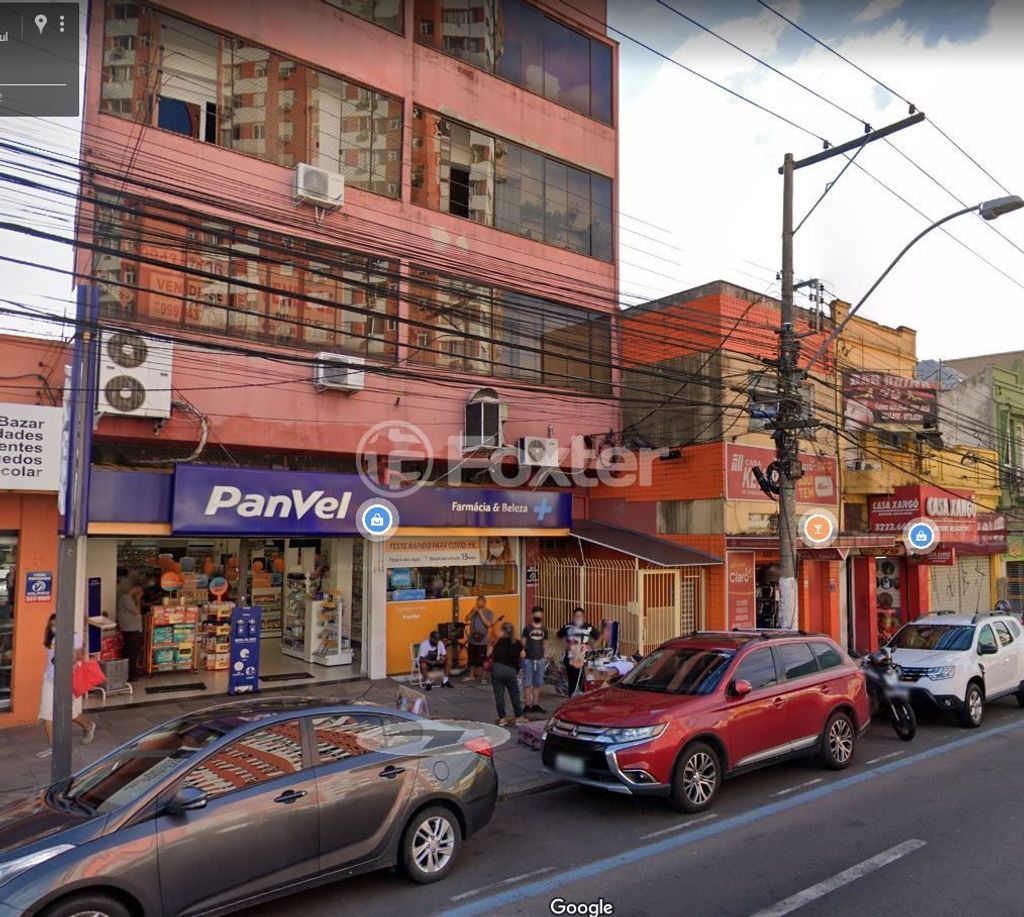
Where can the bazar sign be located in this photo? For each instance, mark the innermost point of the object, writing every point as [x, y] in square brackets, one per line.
[213, 500]
[887, 401]
[817, 486]
[953, 511]
[30, 447]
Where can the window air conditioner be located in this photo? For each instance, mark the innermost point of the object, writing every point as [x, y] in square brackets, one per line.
[538, 451]
[319, 187]
[135, 376]
[339, 372]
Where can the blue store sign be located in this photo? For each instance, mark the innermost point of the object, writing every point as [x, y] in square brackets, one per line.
[212, 500]
[244, 665]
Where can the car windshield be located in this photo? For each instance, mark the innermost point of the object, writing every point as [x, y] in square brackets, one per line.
[689, 670]
[128, 773]
[956, 637]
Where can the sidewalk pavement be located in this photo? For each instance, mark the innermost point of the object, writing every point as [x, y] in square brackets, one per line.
[519, 768]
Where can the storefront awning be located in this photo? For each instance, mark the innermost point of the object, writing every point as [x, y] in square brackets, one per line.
[637, 544]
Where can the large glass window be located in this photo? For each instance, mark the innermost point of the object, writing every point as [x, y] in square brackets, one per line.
[460, 170]
[161, 70]
[386, 13]
[220, 277]
[520, 43]
[494, 332]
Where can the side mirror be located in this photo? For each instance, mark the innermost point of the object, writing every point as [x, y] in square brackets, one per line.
[741, 687]
[187, 799]
[987, 649]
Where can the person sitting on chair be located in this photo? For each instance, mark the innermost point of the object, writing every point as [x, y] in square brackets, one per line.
[433, 655]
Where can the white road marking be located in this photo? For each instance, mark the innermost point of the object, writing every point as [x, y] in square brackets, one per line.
[510, 881]
[892, 754]
[679, 827]
[794, 902]
[799, 786]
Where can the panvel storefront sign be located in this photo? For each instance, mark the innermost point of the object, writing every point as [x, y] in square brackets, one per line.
[213, 500]
[30, 448]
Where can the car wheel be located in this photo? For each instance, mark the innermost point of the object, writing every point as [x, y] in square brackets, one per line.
[838, 742]
[697, 777]
[88, 905]
[974, 707]
[431, 845]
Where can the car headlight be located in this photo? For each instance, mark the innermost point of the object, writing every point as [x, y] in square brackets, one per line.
[635, 733]
[939, 672]
[16, 867]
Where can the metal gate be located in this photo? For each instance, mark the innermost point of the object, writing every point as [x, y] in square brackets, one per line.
[652, 605]
[965, 586]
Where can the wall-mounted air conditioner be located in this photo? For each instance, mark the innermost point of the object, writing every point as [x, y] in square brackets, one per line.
[135, 376]
[319, 187]
[538, 451]
[339, 372]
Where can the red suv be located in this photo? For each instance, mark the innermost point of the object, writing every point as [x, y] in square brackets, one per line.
[708, 706]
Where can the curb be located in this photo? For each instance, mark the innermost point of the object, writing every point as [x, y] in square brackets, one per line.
[533, 790]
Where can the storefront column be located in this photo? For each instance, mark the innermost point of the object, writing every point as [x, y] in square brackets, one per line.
[918, 590]
[375, 617]
[864, 614]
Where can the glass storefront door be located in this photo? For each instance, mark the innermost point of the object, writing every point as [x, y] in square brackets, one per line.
[8, 596]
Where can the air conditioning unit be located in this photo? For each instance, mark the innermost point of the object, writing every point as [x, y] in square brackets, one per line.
[339, 372]
[483, 425]
[135, 376]
[319, 187]
[538, 451]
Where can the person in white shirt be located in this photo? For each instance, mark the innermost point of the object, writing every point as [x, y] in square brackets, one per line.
[88, 727]
[433, 655]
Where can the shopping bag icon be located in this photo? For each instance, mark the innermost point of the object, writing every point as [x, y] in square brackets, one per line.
[377, 521]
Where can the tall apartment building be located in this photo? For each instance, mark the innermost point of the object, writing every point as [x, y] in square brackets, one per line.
[471, 260]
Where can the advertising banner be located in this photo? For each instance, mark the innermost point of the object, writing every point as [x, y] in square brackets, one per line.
[30, 447]
[884, 401]
[433, 552]
[741, 610]
[818, 486]
[244, 663]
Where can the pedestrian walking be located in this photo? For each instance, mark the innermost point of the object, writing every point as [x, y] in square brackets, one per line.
[46, 694]
[535, 642]
[578, 635]
[481, 620]
[129, 621]
[506, 658]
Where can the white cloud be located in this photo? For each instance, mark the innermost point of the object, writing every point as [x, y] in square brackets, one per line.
[876, 9]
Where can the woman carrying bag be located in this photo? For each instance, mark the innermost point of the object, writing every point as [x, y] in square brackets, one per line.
[46, 695]
[506, 658]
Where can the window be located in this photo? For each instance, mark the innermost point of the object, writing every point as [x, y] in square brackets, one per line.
[679, 671]
[1002, 633]
[1015, 629]
[346, 736]
[320, 296]
[986, 639]
[385, 13]
[494, 332]
[8, 598]
[758, 668]
[212, 88]
[520, 43]
[940, 637]
[258, 757]
[470, 174]
[827, 656]
[797, 660]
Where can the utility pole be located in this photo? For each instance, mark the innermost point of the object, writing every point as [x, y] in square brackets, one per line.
[791, 418]
[73, 535]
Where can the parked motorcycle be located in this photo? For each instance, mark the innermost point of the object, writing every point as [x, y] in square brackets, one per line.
[886, 693]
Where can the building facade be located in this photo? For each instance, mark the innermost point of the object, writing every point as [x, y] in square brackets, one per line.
[466, 285]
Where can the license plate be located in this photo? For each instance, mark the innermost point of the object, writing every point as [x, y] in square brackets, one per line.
[569, 764]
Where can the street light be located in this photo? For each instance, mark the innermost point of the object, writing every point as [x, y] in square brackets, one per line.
[989, 210]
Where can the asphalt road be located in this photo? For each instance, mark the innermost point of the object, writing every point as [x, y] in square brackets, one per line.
[931, 827]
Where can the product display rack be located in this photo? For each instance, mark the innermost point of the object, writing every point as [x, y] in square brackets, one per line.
[171, 638]
[297, 626]
[217, 636]
[271, 600]
[331, 626]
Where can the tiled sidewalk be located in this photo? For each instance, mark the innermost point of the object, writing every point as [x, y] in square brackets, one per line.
[519, 768]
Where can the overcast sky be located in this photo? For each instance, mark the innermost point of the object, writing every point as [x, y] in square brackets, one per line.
[702, 167]
[700, 195]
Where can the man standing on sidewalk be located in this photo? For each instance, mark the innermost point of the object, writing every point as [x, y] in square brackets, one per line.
[129, 620]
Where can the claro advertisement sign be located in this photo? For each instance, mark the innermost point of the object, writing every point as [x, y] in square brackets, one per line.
[30, 447]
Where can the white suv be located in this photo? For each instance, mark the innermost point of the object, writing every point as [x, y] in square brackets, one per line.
[960, 662]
